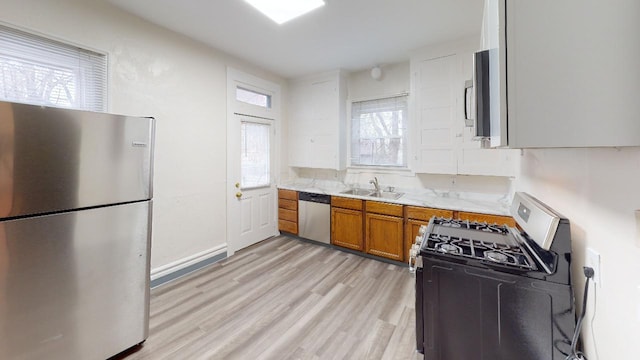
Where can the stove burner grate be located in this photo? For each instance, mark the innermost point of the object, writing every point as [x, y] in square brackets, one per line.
[501, 252]
[472, 225]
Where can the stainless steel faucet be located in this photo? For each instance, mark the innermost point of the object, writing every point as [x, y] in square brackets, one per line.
[375, 184]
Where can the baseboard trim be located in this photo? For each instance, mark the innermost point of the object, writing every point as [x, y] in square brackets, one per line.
[172, 271]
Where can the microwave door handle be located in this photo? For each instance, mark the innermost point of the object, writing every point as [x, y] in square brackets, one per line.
[468, 87]
[466, 113]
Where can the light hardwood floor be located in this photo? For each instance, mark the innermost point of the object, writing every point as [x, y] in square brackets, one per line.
[285, 299]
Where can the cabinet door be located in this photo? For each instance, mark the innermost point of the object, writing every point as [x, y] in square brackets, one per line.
[317, 126]
[384, 236]
[577, 85]
[435, 112]
[346, 228]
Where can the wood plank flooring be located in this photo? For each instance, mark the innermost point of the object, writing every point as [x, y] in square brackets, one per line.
[285, 299]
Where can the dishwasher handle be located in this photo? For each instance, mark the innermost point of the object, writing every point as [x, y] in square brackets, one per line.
[313, 197]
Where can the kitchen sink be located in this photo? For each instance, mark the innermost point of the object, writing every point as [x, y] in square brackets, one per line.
[387, 195]
[377, 194]
[359, 192]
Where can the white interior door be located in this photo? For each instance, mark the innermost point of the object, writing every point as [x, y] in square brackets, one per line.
[251, 166]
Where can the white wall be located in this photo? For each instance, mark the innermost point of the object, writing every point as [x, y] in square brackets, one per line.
[395, 80]
[182, 83]
[598, 190]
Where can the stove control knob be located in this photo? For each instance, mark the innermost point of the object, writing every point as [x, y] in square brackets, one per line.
[413, 255]
[418, 240]
[422, 230]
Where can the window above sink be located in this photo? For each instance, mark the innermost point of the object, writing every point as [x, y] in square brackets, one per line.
[379, 132]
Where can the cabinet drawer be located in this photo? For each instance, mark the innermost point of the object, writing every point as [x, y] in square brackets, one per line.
[384, 208]
[287, 194]
[288, 204]
[289, 215]
[346, 203]
[489, 219]
[425, 214]
[288, 226]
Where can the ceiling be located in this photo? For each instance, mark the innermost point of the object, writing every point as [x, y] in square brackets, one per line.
[344, 34]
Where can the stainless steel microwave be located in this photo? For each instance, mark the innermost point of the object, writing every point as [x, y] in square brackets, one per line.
[490, 98]
[483, 96]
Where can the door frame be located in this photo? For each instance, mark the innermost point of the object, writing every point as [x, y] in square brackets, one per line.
[237, 78]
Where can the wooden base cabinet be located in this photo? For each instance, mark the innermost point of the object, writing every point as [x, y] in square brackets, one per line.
[288, 211]
[384, 236]
[347, 223]
[384, 230]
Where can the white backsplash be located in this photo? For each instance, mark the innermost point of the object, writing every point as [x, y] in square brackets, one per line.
[441, 185]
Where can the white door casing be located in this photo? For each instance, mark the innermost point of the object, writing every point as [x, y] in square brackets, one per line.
[251, 206]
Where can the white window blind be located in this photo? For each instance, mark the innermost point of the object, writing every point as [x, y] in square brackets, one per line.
[42, 71]
[255, 162]
[379, 132]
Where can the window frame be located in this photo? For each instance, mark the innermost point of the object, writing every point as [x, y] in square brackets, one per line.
[266, 95]
[400, 169]
[106, 94]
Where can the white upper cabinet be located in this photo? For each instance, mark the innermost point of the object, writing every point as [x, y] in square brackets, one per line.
[317, 118]
[572, 72]
[442, 143]
[434, 83]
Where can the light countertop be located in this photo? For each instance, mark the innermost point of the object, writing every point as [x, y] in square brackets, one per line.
[496, 204]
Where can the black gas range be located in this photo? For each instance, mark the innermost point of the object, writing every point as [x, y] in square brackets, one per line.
[488, 291]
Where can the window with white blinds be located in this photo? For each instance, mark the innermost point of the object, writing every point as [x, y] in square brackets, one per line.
[379, 132]
[37, 70]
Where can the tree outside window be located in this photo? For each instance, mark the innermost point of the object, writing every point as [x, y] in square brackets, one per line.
[378, 132]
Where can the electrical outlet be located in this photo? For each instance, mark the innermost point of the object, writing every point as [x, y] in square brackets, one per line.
[593, 261]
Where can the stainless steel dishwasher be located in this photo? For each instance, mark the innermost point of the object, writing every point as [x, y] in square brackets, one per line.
[314, 217]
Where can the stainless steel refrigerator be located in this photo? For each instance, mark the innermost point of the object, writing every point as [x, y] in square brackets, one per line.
[75, 231]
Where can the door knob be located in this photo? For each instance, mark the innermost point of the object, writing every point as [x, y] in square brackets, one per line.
[238, 194]
[238, 185]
